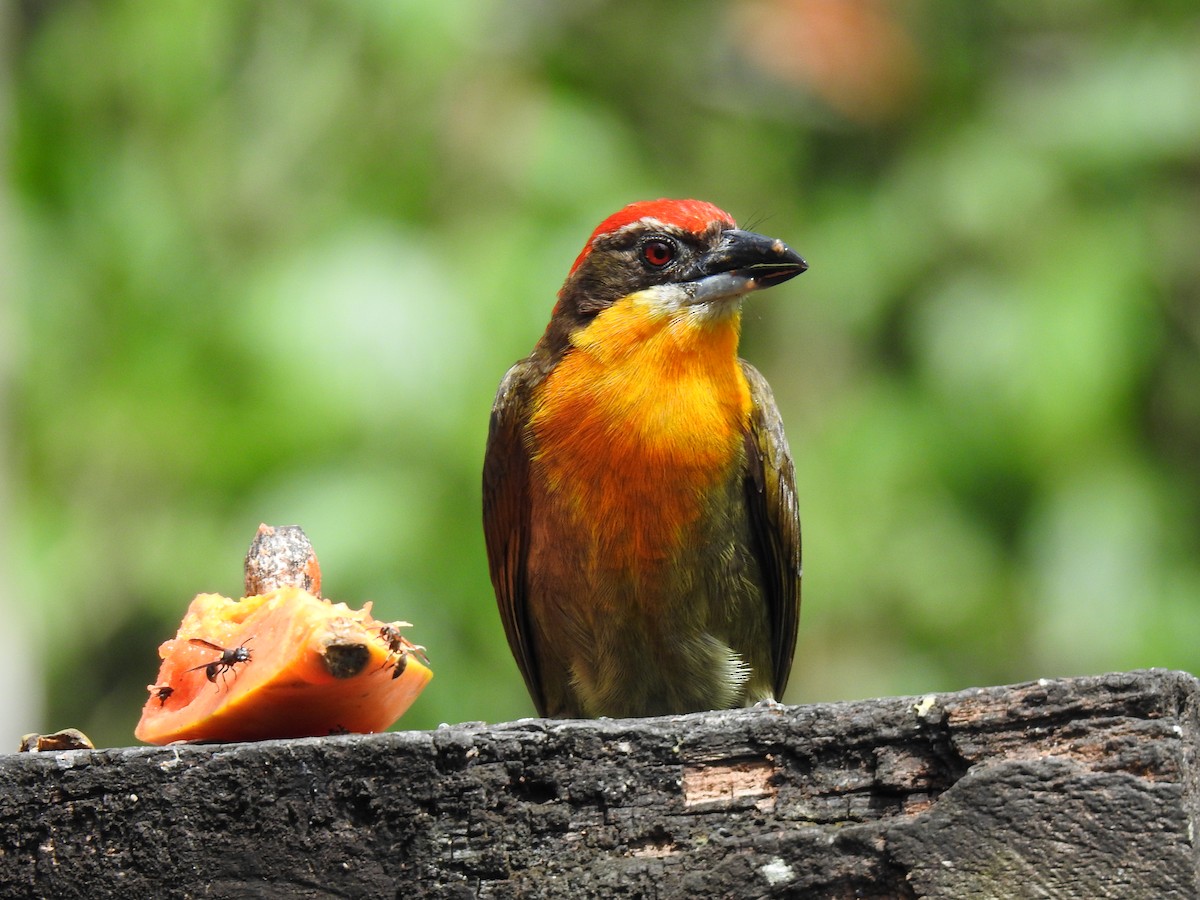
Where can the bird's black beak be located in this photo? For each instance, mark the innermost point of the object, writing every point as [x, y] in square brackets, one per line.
[744, 261]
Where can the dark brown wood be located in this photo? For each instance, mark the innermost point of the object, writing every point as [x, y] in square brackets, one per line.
[1076, 788]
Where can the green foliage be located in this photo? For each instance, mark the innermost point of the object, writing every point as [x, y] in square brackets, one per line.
[275, 257]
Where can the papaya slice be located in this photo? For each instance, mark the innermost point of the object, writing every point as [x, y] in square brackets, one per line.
[280, 664]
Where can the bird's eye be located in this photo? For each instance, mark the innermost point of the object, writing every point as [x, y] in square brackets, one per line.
[658, 252]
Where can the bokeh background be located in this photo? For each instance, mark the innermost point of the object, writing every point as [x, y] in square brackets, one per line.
[268, 261]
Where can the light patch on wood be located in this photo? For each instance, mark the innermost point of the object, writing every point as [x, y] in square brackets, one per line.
[777, 872]
[731, 784]
[655, 851]
[925, 706]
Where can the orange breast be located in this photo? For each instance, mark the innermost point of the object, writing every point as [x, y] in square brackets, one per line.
[636, 425]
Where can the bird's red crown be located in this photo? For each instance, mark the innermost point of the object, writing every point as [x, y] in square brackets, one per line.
[692, 215]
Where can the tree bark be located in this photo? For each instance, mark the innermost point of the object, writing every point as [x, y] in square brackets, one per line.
[1074, 788]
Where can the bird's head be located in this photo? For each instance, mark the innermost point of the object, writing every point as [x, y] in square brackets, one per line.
[673, 257]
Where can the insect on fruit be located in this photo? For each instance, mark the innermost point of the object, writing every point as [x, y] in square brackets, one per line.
[229, 657]
[399, 647]
[161, 692]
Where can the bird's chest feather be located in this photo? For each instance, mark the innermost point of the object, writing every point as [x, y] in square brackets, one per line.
[636, 429]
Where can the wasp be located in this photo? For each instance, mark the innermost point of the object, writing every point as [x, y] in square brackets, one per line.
[399, 647]
[229, 657]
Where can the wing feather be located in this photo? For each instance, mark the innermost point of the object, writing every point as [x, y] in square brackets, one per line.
[775, 518]
[506, 515]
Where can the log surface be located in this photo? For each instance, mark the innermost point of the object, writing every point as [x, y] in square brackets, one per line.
[1081, 788]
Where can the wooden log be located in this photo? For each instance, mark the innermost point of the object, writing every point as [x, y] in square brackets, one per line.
[1081, 788]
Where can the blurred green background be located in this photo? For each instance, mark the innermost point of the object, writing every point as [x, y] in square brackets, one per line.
[268, 261]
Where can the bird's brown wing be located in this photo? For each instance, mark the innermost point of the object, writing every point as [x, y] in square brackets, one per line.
[775, 518]
[506, 515]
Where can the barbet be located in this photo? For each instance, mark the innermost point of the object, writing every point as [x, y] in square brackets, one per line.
[639, 500]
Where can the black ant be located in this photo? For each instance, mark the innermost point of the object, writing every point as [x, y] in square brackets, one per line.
[229, 657]
[399, 647]
[161, 691]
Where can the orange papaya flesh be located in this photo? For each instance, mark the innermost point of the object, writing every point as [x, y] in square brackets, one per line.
[314, 668]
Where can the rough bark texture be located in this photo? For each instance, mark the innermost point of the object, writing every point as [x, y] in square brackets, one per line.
[1077, 788]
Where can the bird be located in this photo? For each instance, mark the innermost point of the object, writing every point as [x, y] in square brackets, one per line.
[639, 499]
